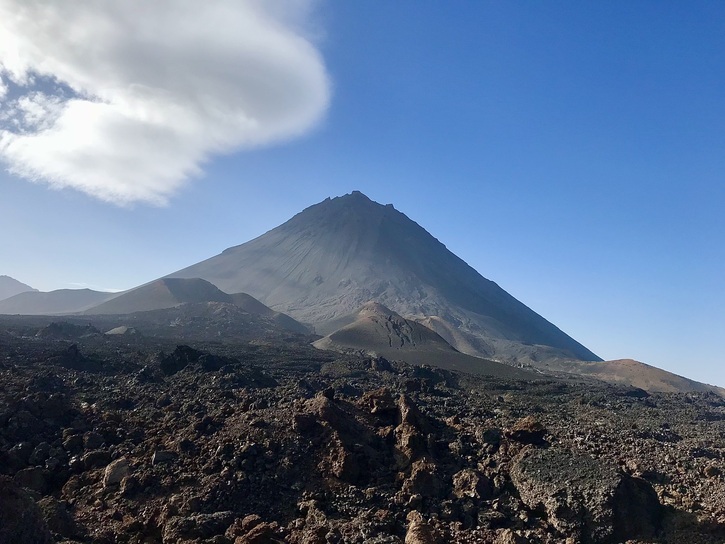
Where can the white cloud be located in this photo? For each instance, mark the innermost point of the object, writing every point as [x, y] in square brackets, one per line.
[126, 99]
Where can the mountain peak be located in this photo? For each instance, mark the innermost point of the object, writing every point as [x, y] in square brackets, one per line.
[325, 263]
[353, 200]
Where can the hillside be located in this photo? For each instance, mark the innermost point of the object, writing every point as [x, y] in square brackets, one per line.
[10, 287]
[58, 302]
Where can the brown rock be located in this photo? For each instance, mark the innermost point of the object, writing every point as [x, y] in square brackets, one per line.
[56, 515]
[528, 431]
[409, 414]
[472, 484]
[341, 463]
[507, 536]
[95, 459]
[409, 444]
[419, 531]
[262, 533]
[424, 480]
[379, 402]
[326, 410]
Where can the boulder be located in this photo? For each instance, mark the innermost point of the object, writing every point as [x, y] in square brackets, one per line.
[469, 483]
[528, 431]
[115, 472]
[585, 497]
[424, 480]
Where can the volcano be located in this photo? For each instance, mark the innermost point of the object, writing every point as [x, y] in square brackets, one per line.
[330, 260]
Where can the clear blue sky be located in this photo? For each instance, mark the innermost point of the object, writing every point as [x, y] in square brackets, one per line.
[573, 152]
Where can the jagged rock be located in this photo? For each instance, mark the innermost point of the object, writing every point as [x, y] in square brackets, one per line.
[491, 437]
[471, 483]
[424, 480]
[314, 526]
[181, 357]
[585, 497]
[507, 536]
[184, 356]
[712, 471]
[253, 530]
[115, 472]
[419, 531]
[326, 410]
[528, 431]
[359, 455]
[73, 359]
[410, 414]
[410, 444]
[304, 423]
[40, 454]
[73, 443]
[380, 402]
[198, 526]
[21, 521]
[25, 426]
[341, 463]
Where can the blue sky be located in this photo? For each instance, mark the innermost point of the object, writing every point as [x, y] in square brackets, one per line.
[573, 152]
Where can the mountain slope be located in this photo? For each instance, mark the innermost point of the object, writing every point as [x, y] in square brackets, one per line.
[58, 302]
[327, 261]
[195, 294]
[378, 328]
[642, 375]
[10, 287]
[161, 294]
[380, 331]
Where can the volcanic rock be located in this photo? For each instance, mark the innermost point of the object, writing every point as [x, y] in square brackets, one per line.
[528, 431]
[21, 521]
[586, 498]
[419, 531]
[115, 472]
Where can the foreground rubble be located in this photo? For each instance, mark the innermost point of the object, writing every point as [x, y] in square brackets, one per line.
[107, 442]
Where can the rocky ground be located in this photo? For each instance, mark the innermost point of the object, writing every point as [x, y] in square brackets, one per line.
[138, 440]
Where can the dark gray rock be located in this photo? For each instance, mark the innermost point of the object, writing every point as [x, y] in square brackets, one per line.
[21, 521]
[163, 456]
[585, 497]
[96, 459]
[202, 526]
[34, 478]
[92, 440]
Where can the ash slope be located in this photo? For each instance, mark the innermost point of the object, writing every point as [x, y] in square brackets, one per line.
[379, 331]
[10, 287]
[162, 294]
[322, 265]
[201, 301]
[58, 302]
